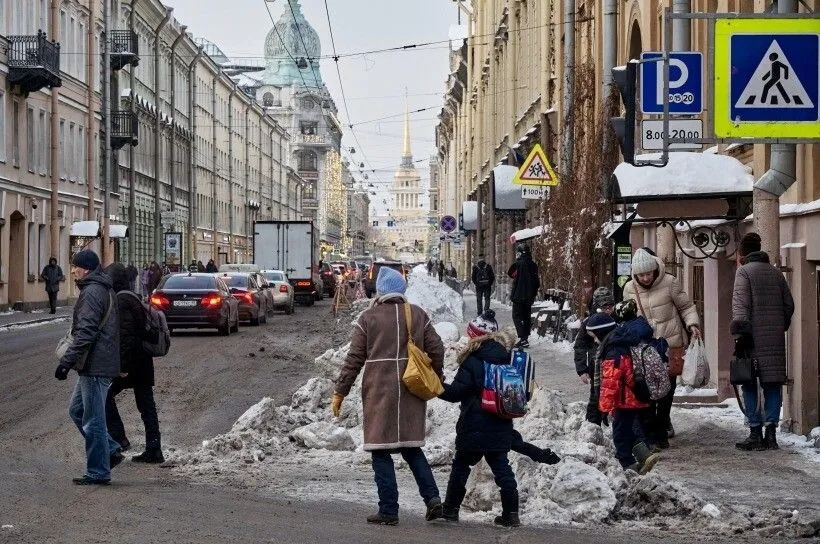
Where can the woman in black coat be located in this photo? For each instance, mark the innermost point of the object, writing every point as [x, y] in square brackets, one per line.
[136, 371]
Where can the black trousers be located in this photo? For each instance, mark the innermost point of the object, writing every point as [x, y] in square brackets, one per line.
[522, 319]
[657, 418]
[504, 478]
[52, 300]
[144, 397]
[482, 299]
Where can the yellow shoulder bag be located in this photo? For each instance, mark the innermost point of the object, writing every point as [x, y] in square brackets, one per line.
[419, 376]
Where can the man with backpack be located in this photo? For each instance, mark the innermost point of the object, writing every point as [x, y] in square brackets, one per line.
[524, 273]
[483, 279]
[137, 329]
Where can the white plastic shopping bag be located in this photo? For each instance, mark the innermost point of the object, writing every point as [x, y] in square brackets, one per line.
[695, 366]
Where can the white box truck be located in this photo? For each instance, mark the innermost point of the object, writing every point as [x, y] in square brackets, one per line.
[289, 246]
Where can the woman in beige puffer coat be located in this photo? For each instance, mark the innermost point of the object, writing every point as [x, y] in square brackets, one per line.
[673, 316]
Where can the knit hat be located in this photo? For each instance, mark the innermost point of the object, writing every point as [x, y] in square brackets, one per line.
[749, 243]
[86, 259]
[626, 310]
[602, 297]
[482, 325]
[643, 262]
[600, 324]
[390, 281]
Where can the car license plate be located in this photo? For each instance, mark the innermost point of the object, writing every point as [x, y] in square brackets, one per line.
[185, 303]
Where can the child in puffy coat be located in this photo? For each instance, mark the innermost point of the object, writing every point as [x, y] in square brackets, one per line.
[617, 379]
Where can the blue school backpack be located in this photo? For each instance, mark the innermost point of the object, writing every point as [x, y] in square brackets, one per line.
[509, 386]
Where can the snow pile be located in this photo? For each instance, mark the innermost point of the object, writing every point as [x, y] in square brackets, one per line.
[439, 301]
[448, 332]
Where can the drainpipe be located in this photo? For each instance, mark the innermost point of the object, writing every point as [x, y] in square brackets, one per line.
[214, 147]
[569, 82]
[105, 253]
[132, 190]
[193, 205]
[781, 175]
[246, 206]
[158, 251]
[54, 203]
[230, 174]
[610, 59]
[270, 197]
[172, 152]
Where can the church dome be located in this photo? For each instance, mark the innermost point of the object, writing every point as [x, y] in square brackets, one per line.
[292, 36]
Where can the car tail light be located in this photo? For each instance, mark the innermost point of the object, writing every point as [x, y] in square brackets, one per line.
[370, 275]
[248, 297]
[283, 288]
[303, 283]
[160, 301]
[212, 301]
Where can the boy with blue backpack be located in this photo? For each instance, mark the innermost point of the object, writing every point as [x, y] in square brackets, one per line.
[493, 385]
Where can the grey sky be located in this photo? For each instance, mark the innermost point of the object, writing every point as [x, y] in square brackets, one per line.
[374, 84]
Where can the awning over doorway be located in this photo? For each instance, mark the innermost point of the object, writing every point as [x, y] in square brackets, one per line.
[89, 229]
[526, 234]
[118, 231]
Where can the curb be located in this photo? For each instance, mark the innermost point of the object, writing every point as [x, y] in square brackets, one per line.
[33, 322]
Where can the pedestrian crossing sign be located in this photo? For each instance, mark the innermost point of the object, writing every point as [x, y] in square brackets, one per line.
[767, 78]
[536, 170]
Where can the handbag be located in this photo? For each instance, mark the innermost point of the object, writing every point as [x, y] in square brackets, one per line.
[742, 370]
[68, 339]
[419, 376]
[675, 355]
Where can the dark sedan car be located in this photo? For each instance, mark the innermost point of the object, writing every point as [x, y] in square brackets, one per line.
[373, 273]
[251, 296]
[198, 301]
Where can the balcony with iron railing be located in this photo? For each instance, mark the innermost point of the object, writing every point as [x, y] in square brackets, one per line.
[124, 129]
[125, 49]
[34, 62]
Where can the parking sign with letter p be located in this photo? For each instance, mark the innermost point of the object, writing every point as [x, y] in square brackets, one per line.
[685, 82]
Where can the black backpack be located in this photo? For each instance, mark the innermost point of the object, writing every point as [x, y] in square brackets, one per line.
[157, 336]
[482, 275]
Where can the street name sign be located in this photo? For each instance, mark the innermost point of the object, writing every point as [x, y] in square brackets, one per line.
[652, 133]
[536, 170]
[685, 82]
[534, 192]
[767, 78]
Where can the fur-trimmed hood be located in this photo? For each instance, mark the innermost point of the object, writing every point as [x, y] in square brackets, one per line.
[507, 337]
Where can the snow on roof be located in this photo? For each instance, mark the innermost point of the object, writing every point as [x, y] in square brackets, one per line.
[692, 225]
[686, 174]
[85, 228]
[799, 209]
[526, 234]
[117, 231]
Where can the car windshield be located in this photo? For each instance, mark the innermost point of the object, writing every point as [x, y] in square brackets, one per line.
[236, 281]
[274, 276]
[188, 282]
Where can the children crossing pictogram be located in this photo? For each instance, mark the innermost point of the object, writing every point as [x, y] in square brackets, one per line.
[536, 170]
[774, 84]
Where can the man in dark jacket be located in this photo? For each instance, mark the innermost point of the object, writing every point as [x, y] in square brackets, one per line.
[95, 355]
[524, 273]
[480, 434]
[211, 266]
[441, 270]
[762, 308]
[133, 274]
[52, 275]
[483, 278]
[585, 347]
[136, 371]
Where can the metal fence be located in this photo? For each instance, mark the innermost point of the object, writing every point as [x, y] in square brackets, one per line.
[34, 51]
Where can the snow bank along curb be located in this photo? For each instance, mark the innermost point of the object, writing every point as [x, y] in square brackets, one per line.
[587, 487]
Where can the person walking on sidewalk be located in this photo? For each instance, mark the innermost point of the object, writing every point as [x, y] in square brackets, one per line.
[52, 275]
[136, 372]
[145, 279]
[480, 434]
[394, 418]
[483, 278]
[671, 313]
[133, 274]
[95, 355]
[762, 309]
[524, 273]
[585, 347]
[430, 266]
[441, 271]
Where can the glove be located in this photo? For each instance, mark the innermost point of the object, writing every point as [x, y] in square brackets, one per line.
[336, 404]
[744, 345]
[62, 372]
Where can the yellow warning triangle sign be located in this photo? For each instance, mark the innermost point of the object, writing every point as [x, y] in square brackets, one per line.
[536, 170]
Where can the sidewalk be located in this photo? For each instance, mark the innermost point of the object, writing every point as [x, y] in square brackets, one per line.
[21, 319]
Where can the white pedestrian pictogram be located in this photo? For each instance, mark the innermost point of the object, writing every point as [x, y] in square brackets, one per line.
[774, 84]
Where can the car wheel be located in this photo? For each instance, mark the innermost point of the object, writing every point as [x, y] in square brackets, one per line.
[263, 317]
[236, 326]
[289, 309]
[226, 330]
[309, 301]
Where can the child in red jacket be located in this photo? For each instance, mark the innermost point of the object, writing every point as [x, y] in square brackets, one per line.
[617, 379]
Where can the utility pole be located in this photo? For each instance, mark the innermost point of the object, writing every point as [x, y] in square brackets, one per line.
[107, 258]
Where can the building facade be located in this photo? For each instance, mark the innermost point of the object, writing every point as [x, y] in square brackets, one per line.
[358, 222]
[534, 72]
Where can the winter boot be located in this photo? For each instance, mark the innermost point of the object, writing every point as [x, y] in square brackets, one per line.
[434, 509]
[670, 430]
[150, 455]
[523, 343]
[645, 458]
[770, 439]
[449, 513]
[754, 442]
[509, 509]
[383, 519]
[115, 459]
[125, 445]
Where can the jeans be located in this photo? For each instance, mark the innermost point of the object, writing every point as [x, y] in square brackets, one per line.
[521, 314]
[482, 299]
[772, 403]
[87, 410]
[384, 474]
[464, 461]
[144, 397]
[626, 432]
[52, 301]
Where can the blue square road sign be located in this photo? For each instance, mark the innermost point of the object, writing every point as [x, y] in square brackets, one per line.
[685, 82]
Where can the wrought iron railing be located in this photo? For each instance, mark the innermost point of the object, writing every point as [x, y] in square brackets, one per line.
[124, 42]
[123, 124]
[33, 52]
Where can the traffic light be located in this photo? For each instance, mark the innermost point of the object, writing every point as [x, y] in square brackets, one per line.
[625, 78]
